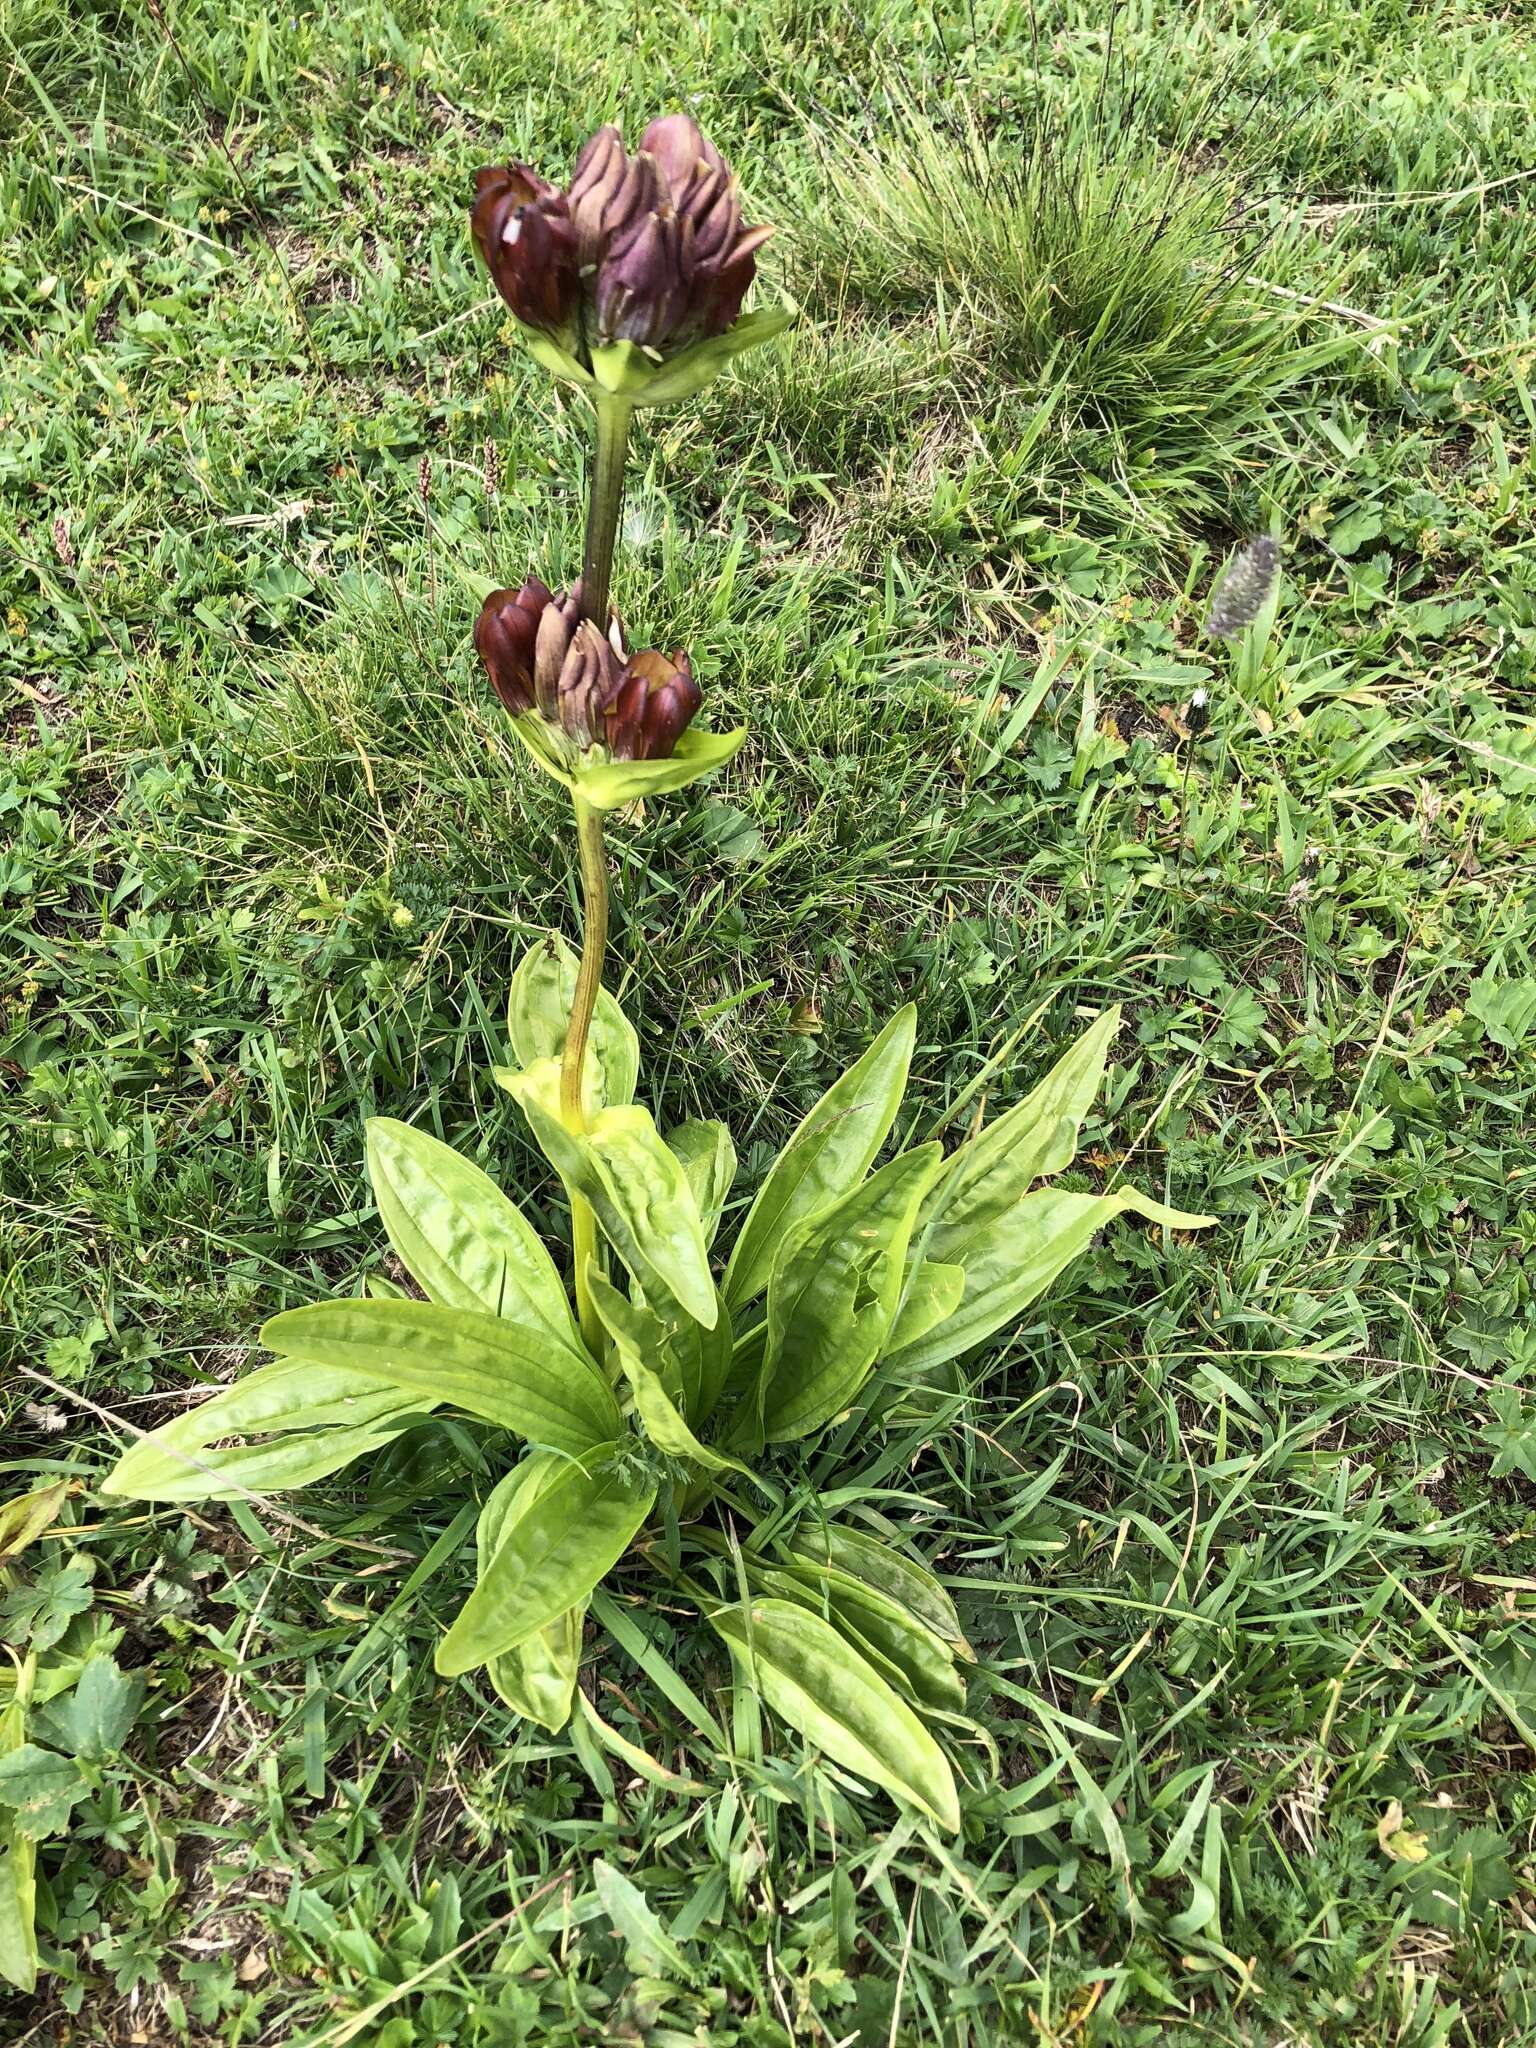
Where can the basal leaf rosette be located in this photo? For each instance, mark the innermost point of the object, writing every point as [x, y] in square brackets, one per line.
[609, 725]
[630, 281]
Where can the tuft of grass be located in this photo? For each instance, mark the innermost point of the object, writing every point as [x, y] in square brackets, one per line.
[1071, 250]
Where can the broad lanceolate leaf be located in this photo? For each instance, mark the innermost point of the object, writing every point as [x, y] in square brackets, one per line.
[24, 1519]
[539, 1015]
[538, 1678]
[607, 784]
[648, 1362]
[1038, 1137]
[932, 1293]
[829, 1154]
[708, 1157]
[466, 1244]
[824, 1688]
[663, 1421]
[640, 1196]
[695, 368]
[1013, 1257]
[504, 1372]
[308, 1423]
[18, 1907]
[689, 1361]
[833, 1296]
[575, 1529]
[890, 1570]
[917, 1661]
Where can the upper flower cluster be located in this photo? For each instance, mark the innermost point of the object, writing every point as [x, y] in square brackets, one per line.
[647, 249]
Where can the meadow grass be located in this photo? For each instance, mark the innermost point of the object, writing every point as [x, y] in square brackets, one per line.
[1243, 1526]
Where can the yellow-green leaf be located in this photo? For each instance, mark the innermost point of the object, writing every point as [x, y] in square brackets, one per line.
[504, 1372]
[465, 1242]
[1011, 1258]
[828, 1154]
[538, 1678]
[705, 1151]
[833, 1296]
[539, 1001]
[605, 783]
[1038, 1137]
[309, 1422]
[575, 1529]
[834, 1697]
[24, 1519]
[641, 1197]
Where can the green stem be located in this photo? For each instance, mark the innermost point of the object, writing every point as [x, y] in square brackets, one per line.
[603, 506]
[573, 1112]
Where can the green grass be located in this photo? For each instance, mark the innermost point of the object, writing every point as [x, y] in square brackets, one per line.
[1244, 1527]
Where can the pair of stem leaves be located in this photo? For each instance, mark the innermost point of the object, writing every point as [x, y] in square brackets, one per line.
[838, 1273]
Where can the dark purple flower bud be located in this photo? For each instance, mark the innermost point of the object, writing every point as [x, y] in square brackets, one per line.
[651, 707]
[641, 287]
[522, 228]
[609, 195]
[506, 633]
[680, 149]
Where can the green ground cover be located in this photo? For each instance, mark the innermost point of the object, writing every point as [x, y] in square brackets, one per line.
[1243, 1525]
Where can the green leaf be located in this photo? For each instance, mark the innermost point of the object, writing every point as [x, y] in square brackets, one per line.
[919, 1662]
[707, 1156]
[310, 1423]
[504, 1372]
[1013, 1257]
[18, 1908]
[538, 1678]
[575, 1529]
[696, 368]
[838, 1701]
[833, 1296]
[606, 784]
[829, 1153]
[546, 350]
[690, 1361]
[660, 1388]
[94, 1720]
[889, 1570]
[539, 1003]
[532, 733]
[641, 1198]
[40, 1789]
[465, 1243]
[650, 1950]
[24, 1519]
[18, 1870]
[996, 1168]
[1512, 1436]
[932, 1293]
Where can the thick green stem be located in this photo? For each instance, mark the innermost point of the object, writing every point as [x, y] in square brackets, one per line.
[603, 506]
[573, 1112]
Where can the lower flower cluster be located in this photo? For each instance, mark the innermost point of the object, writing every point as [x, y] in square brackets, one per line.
[546, 661]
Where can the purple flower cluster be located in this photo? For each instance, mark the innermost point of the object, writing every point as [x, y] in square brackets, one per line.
[648, 248]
